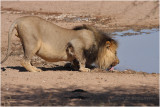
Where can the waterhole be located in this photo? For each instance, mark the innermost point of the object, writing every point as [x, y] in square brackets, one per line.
[138, 51]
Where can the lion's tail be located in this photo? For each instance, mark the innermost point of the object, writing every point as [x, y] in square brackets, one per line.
[13, 26]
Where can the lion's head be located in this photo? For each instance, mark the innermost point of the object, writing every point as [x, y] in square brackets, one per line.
[107, 54]
[106, 49]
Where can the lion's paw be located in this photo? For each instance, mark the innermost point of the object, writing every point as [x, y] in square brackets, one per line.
[36, 69]
[85, 70]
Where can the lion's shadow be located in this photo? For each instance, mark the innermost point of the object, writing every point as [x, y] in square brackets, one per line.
[57, 68]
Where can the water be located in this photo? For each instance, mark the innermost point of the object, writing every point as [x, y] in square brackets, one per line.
[139, 51]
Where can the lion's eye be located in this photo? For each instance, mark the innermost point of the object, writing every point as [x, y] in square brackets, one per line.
[107, 47]
[116, 52]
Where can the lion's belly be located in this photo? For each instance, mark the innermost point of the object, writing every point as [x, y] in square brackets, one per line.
[52, 53]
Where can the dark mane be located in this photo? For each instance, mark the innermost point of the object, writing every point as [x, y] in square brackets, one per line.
[80, 27]
[101, 36]
[106, 37]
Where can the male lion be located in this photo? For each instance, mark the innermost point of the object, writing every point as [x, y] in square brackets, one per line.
[84, 44]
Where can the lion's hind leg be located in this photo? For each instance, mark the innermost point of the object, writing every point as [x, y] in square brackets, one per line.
[27, 65]
[25, 62]
[30, 49]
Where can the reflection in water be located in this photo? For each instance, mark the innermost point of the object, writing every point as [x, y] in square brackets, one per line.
[139, 52]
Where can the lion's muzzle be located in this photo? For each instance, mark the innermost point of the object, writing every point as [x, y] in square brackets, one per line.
[111, 68]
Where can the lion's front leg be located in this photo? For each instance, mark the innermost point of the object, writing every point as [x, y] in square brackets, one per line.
[83, 68]
[82, 62]
[75, 64]
[75, 49]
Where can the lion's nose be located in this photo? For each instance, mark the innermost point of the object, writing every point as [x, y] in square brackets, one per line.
[118, 61]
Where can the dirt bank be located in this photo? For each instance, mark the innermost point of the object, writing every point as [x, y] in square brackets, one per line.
[58, 85]
[107, 15]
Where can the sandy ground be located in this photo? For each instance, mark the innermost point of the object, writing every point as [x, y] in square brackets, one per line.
[59, 85]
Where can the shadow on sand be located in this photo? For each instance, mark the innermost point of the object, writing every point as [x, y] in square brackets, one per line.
[56, 68]
[117, 96]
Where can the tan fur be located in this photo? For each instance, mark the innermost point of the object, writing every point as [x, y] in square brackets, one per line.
[107, 57]
[53, 43]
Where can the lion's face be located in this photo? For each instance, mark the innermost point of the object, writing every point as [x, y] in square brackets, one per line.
[115, 62]
[107, 55]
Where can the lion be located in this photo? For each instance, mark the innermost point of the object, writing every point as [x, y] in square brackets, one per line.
[82, 45]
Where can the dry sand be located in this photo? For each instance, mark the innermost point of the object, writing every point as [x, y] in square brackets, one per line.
[59, 85]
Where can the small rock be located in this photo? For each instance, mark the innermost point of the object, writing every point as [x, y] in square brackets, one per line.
[43, 81]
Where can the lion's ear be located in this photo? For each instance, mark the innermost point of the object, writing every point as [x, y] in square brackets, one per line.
[108, 44]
